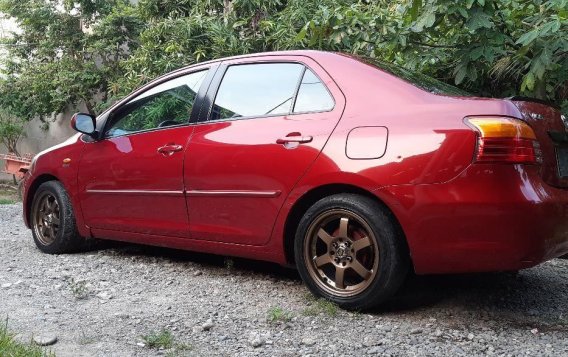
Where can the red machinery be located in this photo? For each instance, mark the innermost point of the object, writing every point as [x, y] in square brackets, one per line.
[16, 165]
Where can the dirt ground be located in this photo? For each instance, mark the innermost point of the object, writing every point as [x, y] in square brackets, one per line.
[129, 300]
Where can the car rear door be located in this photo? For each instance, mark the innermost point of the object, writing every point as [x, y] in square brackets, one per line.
[265, 122]
[132, 179]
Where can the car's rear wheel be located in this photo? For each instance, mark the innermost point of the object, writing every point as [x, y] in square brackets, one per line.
[53, 221]
[349, 251]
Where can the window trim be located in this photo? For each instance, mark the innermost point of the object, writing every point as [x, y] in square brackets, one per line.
[306, 68]
[109, 119]
[218, 80]
[211, 67]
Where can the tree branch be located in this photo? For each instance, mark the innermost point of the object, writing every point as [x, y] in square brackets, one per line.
[432, 45]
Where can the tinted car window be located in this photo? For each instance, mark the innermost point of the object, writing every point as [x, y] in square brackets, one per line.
[257, 90]
[312, 95]
[167, 104]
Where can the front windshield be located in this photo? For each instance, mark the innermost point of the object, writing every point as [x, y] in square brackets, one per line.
[420, 80]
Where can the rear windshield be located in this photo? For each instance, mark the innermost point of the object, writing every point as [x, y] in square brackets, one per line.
[420, 80]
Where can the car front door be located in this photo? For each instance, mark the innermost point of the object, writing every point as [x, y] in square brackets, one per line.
[132, 179]
[267, 122]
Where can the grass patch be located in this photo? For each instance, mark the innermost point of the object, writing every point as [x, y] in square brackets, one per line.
[178, 349]
[318, 306]
[12, 348]
[8, 196]
[162, 339]
[277, 314]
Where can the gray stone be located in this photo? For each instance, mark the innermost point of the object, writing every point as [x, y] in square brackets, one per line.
[45, 340]
[308, 341]
[207, 325]
[257, 342]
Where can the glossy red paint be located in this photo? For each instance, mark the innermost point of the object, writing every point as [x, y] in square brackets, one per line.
[234, 183]
[252, 156]
[126, 184]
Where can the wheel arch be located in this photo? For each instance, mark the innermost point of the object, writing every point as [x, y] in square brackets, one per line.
[312, 196]
[33, 189]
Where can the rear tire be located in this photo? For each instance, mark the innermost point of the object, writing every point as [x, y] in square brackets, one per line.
[53, 221]
[348, 250]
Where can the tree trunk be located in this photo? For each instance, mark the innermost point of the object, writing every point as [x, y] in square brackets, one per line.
[90, 108]
[227, 8]
[540, 89]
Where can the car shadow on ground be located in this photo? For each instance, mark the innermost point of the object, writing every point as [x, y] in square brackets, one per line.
[504, 293]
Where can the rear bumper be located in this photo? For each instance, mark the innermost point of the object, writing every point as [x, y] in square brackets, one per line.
[490, 218]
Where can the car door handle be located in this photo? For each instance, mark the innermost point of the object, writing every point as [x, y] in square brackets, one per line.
[169, 149]
[295, 138]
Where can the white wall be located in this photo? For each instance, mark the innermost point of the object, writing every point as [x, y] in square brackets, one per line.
[37, 139]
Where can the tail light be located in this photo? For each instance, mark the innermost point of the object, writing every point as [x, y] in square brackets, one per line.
[505, 140]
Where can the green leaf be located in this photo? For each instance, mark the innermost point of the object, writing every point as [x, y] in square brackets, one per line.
[527, 38]
[425, 21]
[461, 73]
[476, 53]
[414, 9]
[478, 20]
[302, 34]
[528, 82]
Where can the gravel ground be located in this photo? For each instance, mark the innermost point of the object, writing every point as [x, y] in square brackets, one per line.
[102, 303]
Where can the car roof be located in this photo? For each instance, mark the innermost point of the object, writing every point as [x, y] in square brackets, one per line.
[314, 54]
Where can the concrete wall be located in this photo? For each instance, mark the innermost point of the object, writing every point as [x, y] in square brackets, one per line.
[38, 139]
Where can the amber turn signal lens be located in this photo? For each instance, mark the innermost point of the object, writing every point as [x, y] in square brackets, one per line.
[495, 127]
[505, 140]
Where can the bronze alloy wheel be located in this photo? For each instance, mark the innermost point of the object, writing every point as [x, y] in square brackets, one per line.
[341, 253]
[46, 218]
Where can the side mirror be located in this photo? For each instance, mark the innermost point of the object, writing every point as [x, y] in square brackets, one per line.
[84, 123]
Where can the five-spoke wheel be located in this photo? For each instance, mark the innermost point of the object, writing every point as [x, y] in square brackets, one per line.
[343, 252]
[46, 218]
[349, 250]
[53, 221]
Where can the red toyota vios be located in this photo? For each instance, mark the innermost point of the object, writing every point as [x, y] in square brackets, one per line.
[353, 171]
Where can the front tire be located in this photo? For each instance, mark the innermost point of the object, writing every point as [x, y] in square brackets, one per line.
[348, 250]
[53, 221]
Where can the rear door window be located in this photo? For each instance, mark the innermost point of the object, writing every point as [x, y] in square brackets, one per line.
[313, 96]
[257, 90]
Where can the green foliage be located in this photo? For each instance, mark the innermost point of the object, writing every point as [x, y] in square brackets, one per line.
[64, 55]
[10, 347]
[319, 306]
[161, 339]
[494, 48]
[277, 314]
[11, 130]
[489, 47]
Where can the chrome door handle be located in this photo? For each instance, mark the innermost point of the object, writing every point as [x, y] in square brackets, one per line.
[295, 139]
[170, 149]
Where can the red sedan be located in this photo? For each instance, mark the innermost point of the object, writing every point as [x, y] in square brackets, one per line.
[355, 172]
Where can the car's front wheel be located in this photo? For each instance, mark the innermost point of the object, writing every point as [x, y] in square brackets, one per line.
[53, 221]
[349, 251]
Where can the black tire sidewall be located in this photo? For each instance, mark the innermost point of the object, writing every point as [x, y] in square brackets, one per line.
[393, 266]
[67, 238]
